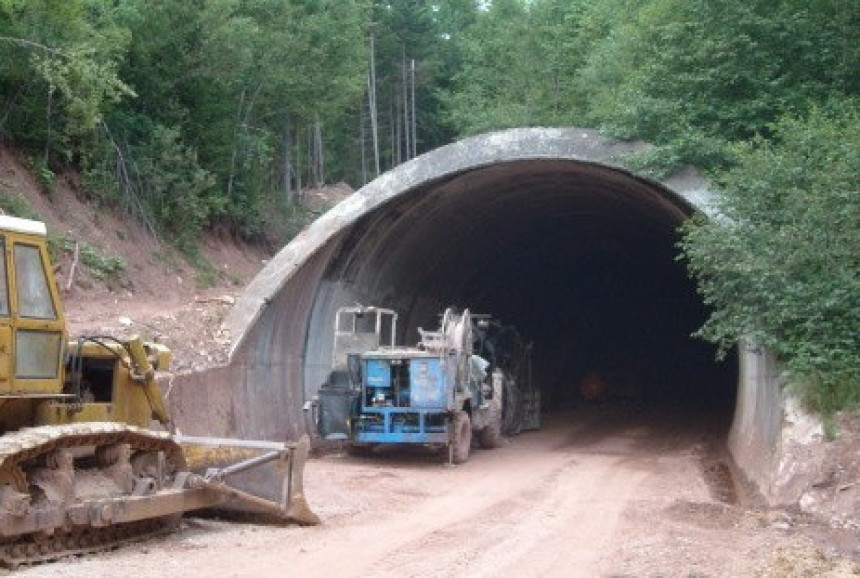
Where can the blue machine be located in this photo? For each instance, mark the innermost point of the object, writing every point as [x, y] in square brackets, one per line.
[435, 393]
[403, 399]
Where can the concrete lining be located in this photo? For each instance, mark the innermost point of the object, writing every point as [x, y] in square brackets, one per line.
[585, 145]
[541, 227]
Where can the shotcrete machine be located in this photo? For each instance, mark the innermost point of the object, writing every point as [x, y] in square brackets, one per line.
[436, 393]
[83, 465]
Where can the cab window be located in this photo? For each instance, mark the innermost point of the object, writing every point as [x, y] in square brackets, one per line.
[4, 284]
[37, 354]
[34, 295]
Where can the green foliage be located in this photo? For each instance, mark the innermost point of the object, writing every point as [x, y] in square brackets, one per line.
[696, 149]
[177, 190]
[688, 76]
[12, 203]
[59, 71]
[779, 265]
[285, 221]
[520, 61]
[108, 267]
[720, 69]
[44, 174]
[101, 266]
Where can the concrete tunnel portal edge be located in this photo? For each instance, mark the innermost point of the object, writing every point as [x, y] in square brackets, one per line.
[540, 227]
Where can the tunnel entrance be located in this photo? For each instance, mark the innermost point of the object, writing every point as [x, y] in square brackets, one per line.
[539, 227]
[580, 257]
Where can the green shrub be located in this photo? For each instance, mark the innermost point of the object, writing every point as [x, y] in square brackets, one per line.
[44, 175]
[779, 266]
[17, 206]
[101, 266]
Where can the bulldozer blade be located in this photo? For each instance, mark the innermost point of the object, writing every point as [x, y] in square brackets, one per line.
[241, 460]
[298, 509]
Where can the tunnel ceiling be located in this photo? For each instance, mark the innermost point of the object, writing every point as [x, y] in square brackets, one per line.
[533, 226]
[507, 235]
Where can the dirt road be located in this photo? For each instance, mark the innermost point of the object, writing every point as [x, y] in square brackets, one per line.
[604, 492]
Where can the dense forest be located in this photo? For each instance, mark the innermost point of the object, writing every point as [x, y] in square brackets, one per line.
[193, 114]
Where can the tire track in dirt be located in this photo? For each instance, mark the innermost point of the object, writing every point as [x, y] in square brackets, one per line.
[595, 493]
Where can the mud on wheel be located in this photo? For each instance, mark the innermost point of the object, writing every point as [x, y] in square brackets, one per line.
[491, 436]
[462, 437]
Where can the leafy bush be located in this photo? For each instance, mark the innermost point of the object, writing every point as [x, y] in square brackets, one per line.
[44, 174]
[101, 266]
[688, 73]
[108, 267]
[779, 265]
[177, 190]
[17, 206]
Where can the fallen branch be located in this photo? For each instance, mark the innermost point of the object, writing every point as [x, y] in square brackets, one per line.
[74, 266]
[225, 299]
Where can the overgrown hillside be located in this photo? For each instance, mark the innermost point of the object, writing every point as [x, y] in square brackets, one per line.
[117, 279]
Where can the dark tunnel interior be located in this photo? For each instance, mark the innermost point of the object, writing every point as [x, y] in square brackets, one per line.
[581, 258]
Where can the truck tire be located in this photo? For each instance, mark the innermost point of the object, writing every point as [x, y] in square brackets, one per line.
[359, 451]
[462, 441]
[491, 436]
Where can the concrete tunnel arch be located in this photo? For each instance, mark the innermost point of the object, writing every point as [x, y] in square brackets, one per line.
[541, 227]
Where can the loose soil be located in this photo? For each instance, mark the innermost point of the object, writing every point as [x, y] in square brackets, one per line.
[617, 491]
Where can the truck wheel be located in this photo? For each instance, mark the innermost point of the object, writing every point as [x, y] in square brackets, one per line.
[462, 437]
[491, 436]
[359, 451]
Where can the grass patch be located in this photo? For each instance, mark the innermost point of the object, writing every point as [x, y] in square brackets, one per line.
[101, 266]
[16, 205]
[206, 275]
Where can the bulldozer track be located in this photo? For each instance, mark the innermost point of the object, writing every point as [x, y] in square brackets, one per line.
[82, 541]
[20, 450]
[28, 444]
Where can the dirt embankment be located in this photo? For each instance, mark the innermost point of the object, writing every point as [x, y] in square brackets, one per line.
[139, 285]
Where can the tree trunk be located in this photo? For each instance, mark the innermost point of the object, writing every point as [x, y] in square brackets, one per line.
[362, 142]
[298, 164]
[392, 115]
[414, 117]
[319, 153]
[312, 177]
[236, 139]
[371, 96]
[288, 163]
[404, 93]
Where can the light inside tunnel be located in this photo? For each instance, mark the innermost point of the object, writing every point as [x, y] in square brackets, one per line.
[580, 257]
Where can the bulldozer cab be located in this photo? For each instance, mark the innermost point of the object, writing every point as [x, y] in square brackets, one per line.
[32, 325]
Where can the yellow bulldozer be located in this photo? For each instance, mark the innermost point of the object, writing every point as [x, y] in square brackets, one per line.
[87, 457]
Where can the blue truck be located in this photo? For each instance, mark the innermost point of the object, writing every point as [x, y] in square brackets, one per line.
[437, 393]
